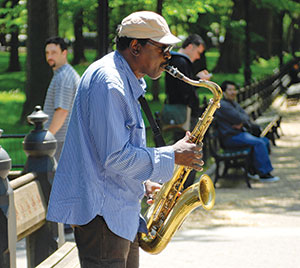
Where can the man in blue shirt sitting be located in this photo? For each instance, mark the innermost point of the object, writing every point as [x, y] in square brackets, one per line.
[105, 166]
[232, 122]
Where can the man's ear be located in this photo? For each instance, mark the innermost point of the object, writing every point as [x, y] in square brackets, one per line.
[65, 53]
[190, 46]
[135, 47]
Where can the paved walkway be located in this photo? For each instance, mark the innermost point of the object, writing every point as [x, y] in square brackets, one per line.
[257, 228]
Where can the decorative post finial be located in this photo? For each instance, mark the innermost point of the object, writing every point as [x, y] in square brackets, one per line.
[37, 118]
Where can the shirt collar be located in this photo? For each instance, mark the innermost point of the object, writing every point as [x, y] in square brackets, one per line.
[60, 69]
[174, 53]
[138, 86]
[230, 101]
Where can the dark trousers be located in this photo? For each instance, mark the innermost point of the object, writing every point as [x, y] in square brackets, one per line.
[99, 247]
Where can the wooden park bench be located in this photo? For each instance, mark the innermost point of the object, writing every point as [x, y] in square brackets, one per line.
[65, 257]
[26, 216]
[263, 114]
[257, 100]
[293, 94]
[227, 158]
[24, 198]
[293, 84]
[258, 105]
[173, 124]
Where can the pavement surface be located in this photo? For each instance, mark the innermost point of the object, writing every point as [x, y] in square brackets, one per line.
[257, 228]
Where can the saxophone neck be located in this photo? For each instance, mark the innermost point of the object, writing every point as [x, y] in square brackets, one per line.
[174, 72]
[213, 87]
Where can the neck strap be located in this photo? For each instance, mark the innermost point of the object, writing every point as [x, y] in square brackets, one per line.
[158, 139]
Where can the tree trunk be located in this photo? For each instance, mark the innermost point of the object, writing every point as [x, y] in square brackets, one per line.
[277, 44]
[290, 35]
[247, 68]
[262, 26]
[14, 63]
[102, 28]
[155, 83]
[2, 40]
[230, 59]
[199, 28]
[159, 6]
[79, 42]
[37, 70]
[52, 15]
[296, 36]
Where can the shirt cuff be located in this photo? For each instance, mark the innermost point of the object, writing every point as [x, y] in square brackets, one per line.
[164, 162]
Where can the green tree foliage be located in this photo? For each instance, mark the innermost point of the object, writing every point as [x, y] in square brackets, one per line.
[180, 14]
[12, 16]
[220, 22]
[212, 17]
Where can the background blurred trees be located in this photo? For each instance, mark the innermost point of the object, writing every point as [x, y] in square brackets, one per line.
[42, 22]
[273, 28]
[11, 19]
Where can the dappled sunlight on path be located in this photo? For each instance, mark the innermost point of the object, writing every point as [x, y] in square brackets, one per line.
[236, 205]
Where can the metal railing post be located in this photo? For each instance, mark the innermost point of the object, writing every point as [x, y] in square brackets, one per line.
[8, 237]
[39, 146]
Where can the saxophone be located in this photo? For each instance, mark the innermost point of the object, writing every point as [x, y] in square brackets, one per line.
[171, 207]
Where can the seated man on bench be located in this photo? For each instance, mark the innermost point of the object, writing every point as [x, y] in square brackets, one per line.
[233, 126]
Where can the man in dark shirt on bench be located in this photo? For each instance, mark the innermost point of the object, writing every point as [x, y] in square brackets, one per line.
[233, 124]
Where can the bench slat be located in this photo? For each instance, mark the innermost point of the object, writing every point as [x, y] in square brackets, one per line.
[70, 261]
[269, 126]
[69, 248]
[264, 120]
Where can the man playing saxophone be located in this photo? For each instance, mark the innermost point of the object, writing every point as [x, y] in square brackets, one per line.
[105, 166]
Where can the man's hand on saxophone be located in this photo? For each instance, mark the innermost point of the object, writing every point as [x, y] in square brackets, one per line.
[152, 189]
[188, 154]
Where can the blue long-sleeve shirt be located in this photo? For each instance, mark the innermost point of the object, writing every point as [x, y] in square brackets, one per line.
[105, 160]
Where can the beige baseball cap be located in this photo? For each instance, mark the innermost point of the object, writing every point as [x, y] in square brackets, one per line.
[147, 24]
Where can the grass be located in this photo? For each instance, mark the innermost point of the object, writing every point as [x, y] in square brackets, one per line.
[14, 148]
[10, 113]
[11, 80]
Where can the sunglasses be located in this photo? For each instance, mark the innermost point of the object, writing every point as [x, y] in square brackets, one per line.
[164, 48]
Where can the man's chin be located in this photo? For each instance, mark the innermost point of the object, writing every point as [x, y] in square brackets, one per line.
[52, 65]
[156, 76]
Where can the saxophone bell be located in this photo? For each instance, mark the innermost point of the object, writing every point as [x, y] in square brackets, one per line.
[207, 194]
